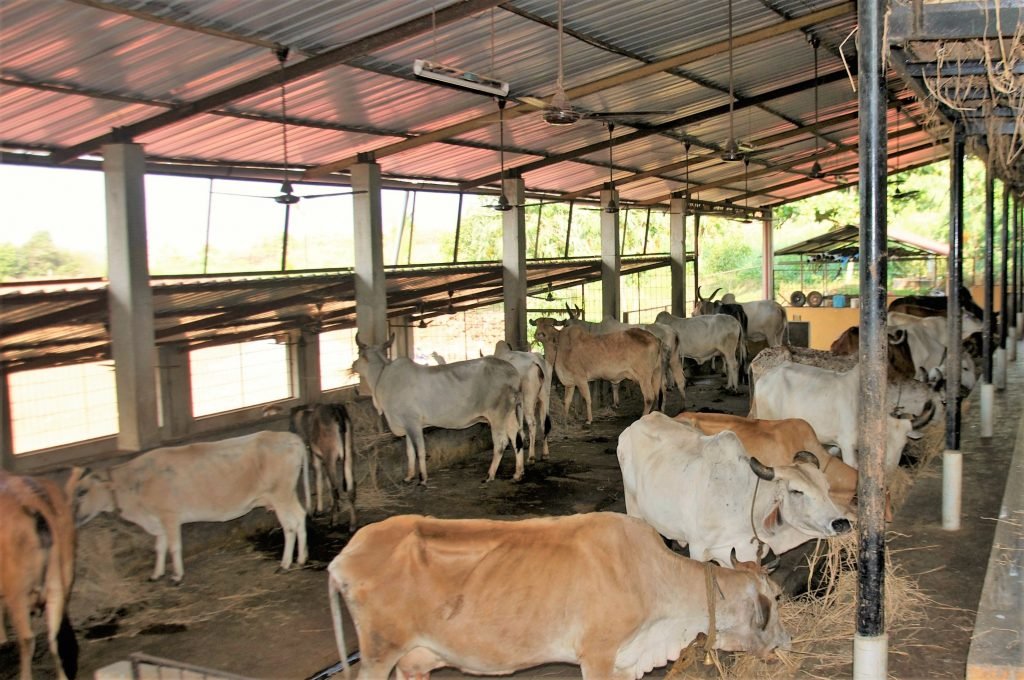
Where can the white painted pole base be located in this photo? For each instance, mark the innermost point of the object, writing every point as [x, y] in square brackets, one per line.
[870, 657]
[1011, 344]
[999, 368]
[952, 483]
[988, 395]
[1020, 324]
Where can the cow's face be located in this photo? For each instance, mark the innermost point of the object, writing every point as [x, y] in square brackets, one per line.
[547, 330]
[92, 496]
[764, 633]
[804, 500]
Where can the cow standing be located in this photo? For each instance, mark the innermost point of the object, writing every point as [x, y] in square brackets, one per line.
[455, 396]
[492, 597]
[204, 482]
[704, 337]
[535, 376]
[711, 494]
[579, 357]
[765, 318]
[327, 431]
[37, 565]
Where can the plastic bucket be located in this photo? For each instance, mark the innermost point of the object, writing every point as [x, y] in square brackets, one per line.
[838, 300]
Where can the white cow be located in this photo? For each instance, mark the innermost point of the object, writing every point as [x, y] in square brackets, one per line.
[704, 337]
[928, 338]
[830, 402]
[455, 396]
[535, 374]
[710, 493]
[764, 317]
[204, 482]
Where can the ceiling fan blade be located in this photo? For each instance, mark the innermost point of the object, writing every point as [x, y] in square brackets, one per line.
[624, 114]
[228, 193]
[533, 101]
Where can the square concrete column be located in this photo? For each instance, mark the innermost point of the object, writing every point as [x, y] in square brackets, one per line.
[679, 206]
[513, 264]
[371, 292]
[304, 360]
[611, 258]
[767, 257]
[132, 339]
[175, 390]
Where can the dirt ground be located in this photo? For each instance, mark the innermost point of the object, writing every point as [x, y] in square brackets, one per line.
[236, 612]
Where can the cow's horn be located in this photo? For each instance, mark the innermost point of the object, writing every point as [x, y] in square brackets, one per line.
[715, 293]
[700, 298]
[761, 470]
[359, 343]
[897, 336]
[806, 457]
[925, 417]
[533, 322]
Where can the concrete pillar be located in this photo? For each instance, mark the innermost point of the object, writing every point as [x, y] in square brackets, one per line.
[513, 264]
[611, 258]
[304, 360]
[371, 297]
[678, 208]
[6, 424]
[175, 391]
[132, 338]
[405, 338]
[767, 257]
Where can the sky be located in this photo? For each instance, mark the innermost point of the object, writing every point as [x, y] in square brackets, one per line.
[69, 204]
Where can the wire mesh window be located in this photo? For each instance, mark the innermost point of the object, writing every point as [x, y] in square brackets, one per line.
[62, 405]
[460, 336]
[230, 377]
[644, 294]
[337, 353]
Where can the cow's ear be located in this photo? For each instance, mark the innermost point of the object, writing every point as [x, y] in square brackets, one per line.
[76, 476]
[533, 322]
[763, 612]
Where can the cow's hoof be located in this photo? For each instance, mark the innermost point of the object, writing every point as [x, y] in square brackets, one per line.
[587, 426]
[487, 480]
[177, 581]
[531, 460]
[423, 485]
[517, 480]
[409, 480]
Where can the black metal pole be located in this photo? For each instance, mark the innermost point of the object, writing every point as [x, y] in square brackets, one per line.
[955, 274]
[873, 336]
[1004, 270]
[696, 256]
[986, 344]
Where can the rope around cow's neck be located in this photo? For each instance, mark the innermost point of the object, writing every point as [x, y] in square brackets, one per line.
[113, 491]
[753, 525]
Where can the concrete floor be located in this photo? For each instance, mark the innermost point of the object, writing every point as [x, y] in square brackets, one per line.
[235, 613]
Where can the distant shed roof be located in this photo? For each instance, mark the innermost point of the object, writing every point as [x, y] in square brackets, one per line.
[845, 242]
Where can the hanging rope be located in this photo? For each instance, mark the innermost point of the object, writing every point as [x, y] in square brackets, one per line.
[282, 57]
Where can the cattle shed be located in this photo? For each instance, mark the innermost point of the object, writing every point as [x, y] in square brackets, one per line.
[615, 112]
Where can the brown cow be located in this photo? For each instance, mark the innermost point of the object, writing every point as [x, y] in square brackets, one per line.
[578, 356]
[491, 597]
[901, 361]
[327, 431]
[776, 442]
[37, 565]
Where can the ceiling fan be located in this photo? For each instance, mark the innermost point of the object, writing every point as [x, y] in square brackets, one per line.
[613, 205]
[733, 150]
[559, 110]
[816, 171]
[503, 204]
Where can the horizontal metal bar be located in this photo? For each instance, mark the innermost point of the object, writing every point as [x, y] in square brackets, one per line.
[953, 20]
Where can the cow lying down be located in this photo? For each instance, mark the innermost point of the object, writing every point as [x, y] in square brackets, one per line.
[492, 597]
[709, 493]
[204, 482]
[37, 565]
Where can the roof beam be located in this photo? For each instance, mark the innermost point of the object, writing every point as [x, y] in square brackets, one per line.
[647, 131]
[593, 87]
[953, 20]
[423, 24]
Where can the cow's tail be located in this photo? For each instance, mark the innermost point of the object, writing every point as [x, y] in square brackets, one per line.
[347, 460]
[306, 453]
[519, 420]
[334, 596]
[67, 647]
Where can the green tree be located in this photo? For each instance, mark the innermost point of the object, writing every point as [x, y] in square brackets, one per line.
[40, 258]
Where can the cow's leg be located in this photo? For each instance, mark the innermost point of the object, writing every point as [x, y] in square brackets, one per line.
[161, 555]
[615, 395]
[349, 479]
[3, 629]
[585, 394]
[54, 617]
[600, 665]
[17, 603]
[173, 529]
[545, 423]
[318, 474]
[531, 423]
[732, 371]
[378, 656]
[420, 444]
[497, 449]
[570, 390]
[331, 468]
[410, 455]
[293, 522]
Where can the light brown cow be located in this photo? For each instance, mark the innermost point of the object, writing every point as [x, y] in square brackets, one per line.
[776, 442]
[491, 597]
[204, 482]
[327, 431]
[37, 565]
[578, 357]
